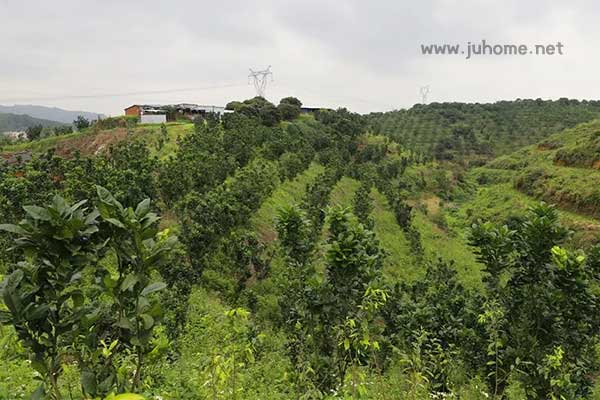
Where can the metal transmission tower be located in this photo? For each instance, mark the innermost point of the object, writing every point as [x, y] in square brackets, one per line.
[424, 92]
[259, 79]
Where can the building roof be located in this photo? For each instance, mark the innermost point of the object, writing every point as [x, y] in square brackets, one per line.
[312, 109]
[144, 106]
[178, 107]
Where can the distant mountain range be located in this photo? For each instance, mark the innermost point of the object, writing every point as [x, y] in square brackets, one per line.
[48, 113]
[15, 122]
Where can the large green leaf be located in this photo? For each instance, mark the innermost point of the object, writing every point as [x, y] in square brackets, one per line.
[105, 196]
[91, 217]
[11, 298]
[109, 281]
[13, 229]
[39, 312]
[147, 321]
[115, 222]
[88, 382]
[124, 323]
[90, 230]
[13, 280]
[142, 208]
[129, 282]
[153, 287]
[5, 317]
[76, 206]
[78, 298]
[149, 220]
[60, 205]
[38, 213]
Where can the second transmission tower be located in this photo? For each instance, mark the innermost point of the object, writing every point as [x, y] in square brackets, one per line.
[424, 93]
[260, 79]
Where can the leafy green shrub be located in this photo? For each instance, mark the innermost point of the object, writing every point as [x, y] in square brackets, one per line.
[81, 123]
[363, 205]
[290, 165]
[59, 316]
[45, 303]
[116, 122]
[208, 217]
[289, 108]
[548, 301]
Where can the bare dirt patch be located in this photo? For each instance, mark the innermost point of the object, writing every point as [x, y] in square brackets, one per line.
[432, 204]
[90, 144]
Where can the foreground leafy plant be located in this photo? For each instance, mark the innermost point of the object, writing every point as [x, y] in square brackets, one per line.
[42, 293]
[549, 302]
[139, 250]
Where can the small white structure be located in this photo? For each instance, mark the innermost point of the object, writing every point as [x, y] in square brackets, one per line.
[15, 135]
[153, 118]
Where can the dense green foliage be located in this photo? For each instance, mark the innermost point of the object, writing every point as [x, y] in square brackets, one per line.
[105, 325]
[468, 132]
[315, 260]
[561, 169]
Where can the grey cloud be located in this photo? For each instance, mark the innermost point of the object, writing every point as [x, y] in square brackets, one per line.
[364, 55]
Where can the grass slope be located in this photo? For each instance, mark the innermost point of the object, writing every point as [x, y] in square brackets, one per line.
[342, 194]
[449, 244]
[289, 192]
[562, 170]
[91, 142]
[208, 342]
[499, 201]
[400, 264]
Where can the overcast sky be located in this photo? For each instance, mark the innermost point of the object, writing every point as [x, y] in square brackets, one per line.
[364, 55]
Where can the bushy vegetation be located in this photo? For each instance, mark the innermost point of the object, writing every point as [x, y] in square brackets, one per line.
[268, 114]
[475, 132]
[107, 324]
[302, 257]
[561, 169]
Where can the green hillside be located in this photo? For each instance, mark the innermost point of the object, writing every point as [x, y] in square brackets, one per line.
[471, 132]
[111, 131]
[20, 122]
[306, 256]
[562, 170]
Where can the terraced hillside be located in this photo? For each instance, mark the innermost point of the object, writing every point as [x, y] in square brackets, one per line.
[472, 132]
[301, 256]
[563, 169]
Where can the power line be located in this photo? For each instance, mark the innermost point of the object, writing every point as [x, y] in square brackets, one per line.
[126, 94]
[268, 72]
[321, 93]
[259, 79]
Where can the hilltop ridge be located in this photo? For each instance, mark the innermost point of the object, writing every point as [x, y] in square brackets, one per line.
[48, 113]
